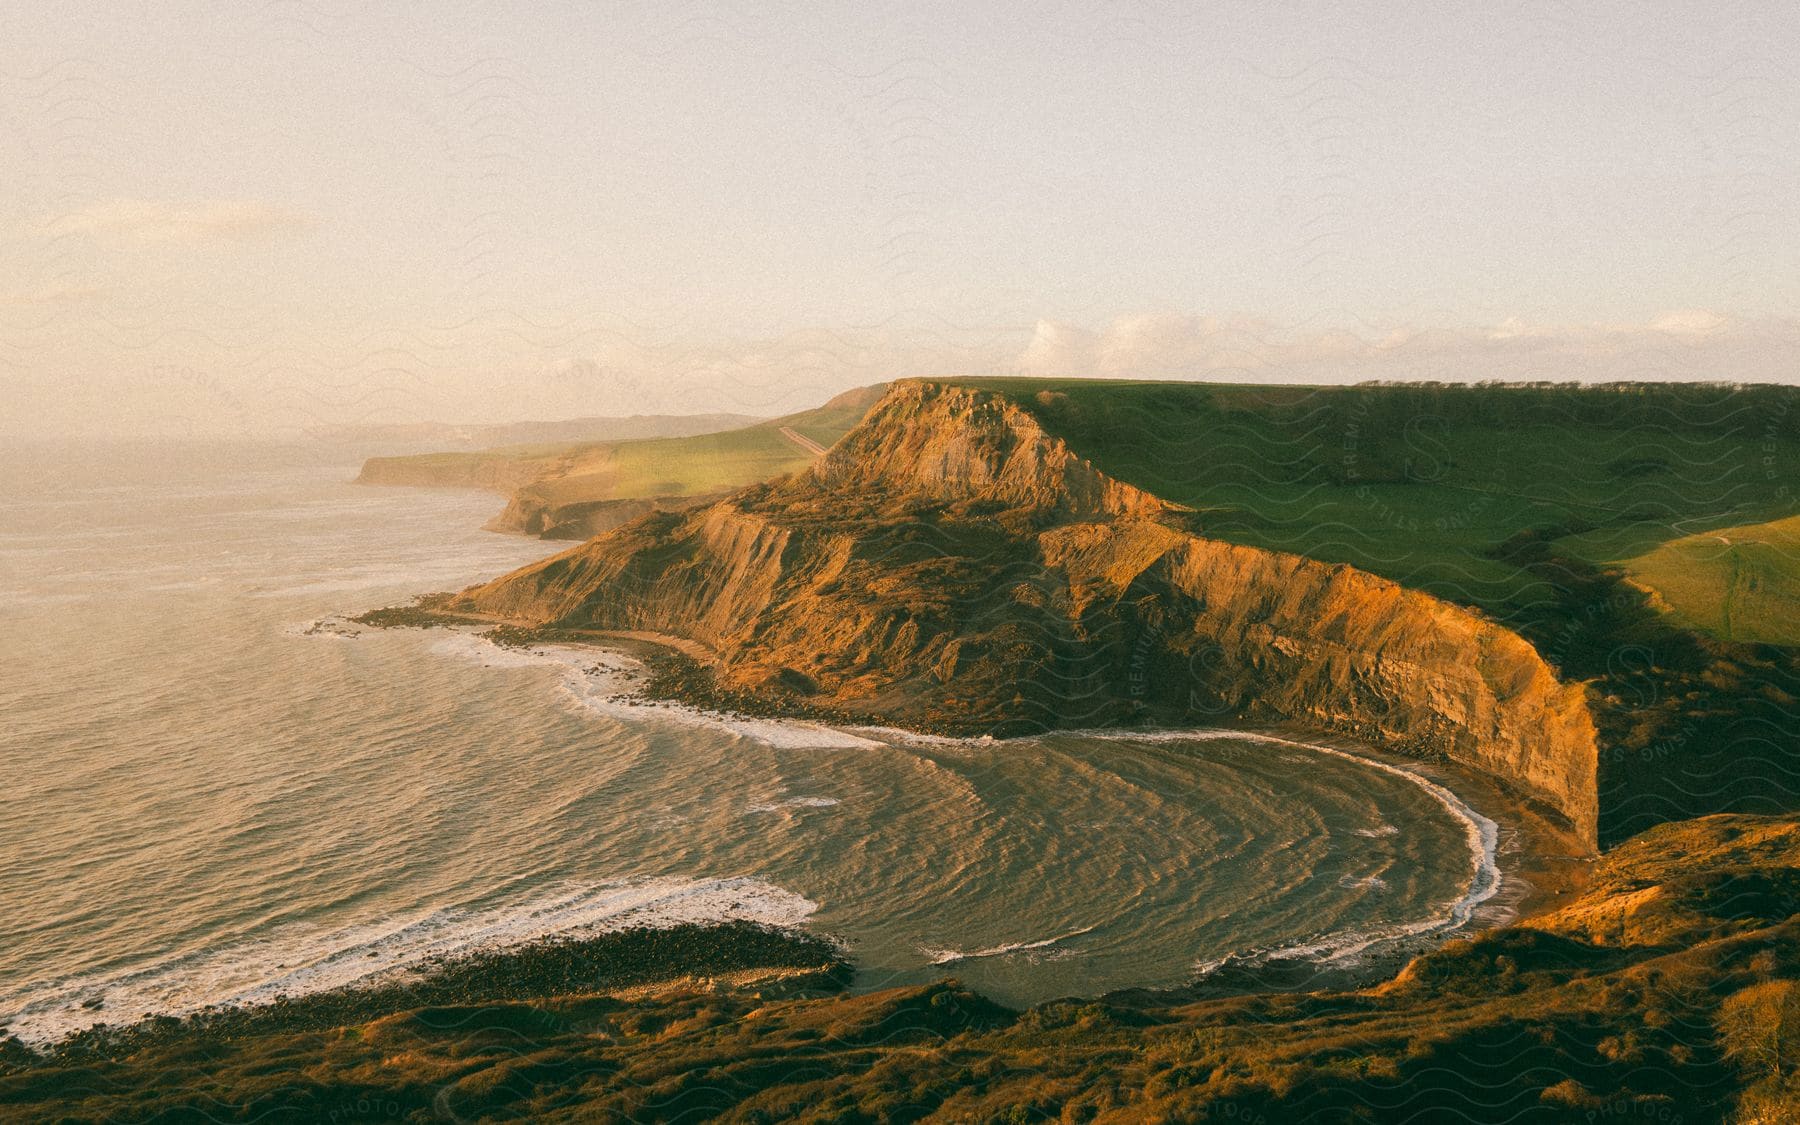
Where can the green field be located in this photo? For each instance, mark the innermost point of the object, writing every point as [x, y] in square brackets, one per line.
[552, 476]
[695, 466]
[1424, 484]
[1738, 583]
[1641, 537]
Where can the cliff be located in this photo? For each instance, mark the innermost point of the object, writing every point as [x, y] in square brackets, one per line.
[950, 564]
[528, 513]
[497, 471]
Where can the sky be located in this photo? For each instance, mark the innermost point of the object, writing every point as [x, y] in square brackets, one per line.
[247, 219]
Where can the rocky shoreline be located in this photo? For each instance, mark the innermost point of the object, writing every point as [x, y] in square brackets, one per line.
[806, 963]
[1658, 996]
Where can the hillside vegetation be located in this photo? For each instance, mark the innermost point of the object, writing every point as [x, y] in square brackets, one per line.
[1422, 482]
[1739, 583]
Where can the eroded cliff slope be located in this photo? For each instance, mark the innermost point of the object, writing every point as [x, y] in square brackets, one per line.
[949, 564]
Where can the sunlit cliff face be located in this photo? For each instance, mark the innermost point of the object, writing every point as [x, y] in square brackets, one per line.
[950, 562]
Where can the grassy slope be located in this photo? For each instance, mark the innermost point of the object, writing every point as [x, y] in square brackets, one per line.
[1419, 491]
[651, 467]
[1670, 991]
[691, 466]
[1739, 583]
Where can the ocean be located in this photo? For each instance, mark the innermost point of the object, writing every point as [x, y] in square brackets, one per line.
[218, 790]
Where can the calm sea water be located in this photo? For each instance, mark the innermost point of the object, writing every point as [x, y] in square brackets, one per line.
[215, 791]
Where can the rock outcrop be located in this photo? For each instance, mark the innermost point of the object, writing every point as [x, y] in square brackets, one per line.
[527, 513]
[489, 472]
[951, 565]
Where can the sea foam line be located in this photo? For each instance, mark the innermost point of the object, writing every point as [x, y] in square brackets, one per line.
[597, 678]
[1481, 834]
[952, 956]
[298, 960]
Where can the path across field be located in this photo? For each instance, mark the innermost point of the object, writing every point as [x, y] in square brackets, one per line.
[803, 441]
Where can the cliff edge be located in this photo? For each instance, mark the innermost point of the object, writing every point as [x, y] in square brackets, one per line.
[950, 564]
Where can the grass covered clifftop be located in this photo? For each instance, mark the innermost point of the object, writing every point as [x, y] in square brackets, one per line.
[1421, 482]
[500, 457]
[1737, 583]
[1669, 991]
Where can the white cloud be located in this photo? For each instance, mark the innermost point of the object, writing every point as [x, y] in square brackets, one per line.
[165, 221]
[1681, 344]
[1060, 349]
[1690, 322]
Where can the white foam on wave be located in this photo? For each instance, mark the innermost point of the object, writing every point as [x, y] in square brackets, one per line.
[786, 734]
[297, 960]
[952, 956]
[920, 738]
[793, 803]
[1376, 833]
[600, 680]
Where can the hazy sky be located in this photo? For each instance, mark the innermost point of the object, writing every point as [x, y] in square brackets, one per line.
[247, 217]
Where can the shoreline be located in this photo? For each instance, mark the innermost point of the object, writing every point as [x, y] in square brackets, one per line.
[1516, 873]
[636, 960]
[1530, 862]
[1547, 862]
[396, 949]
